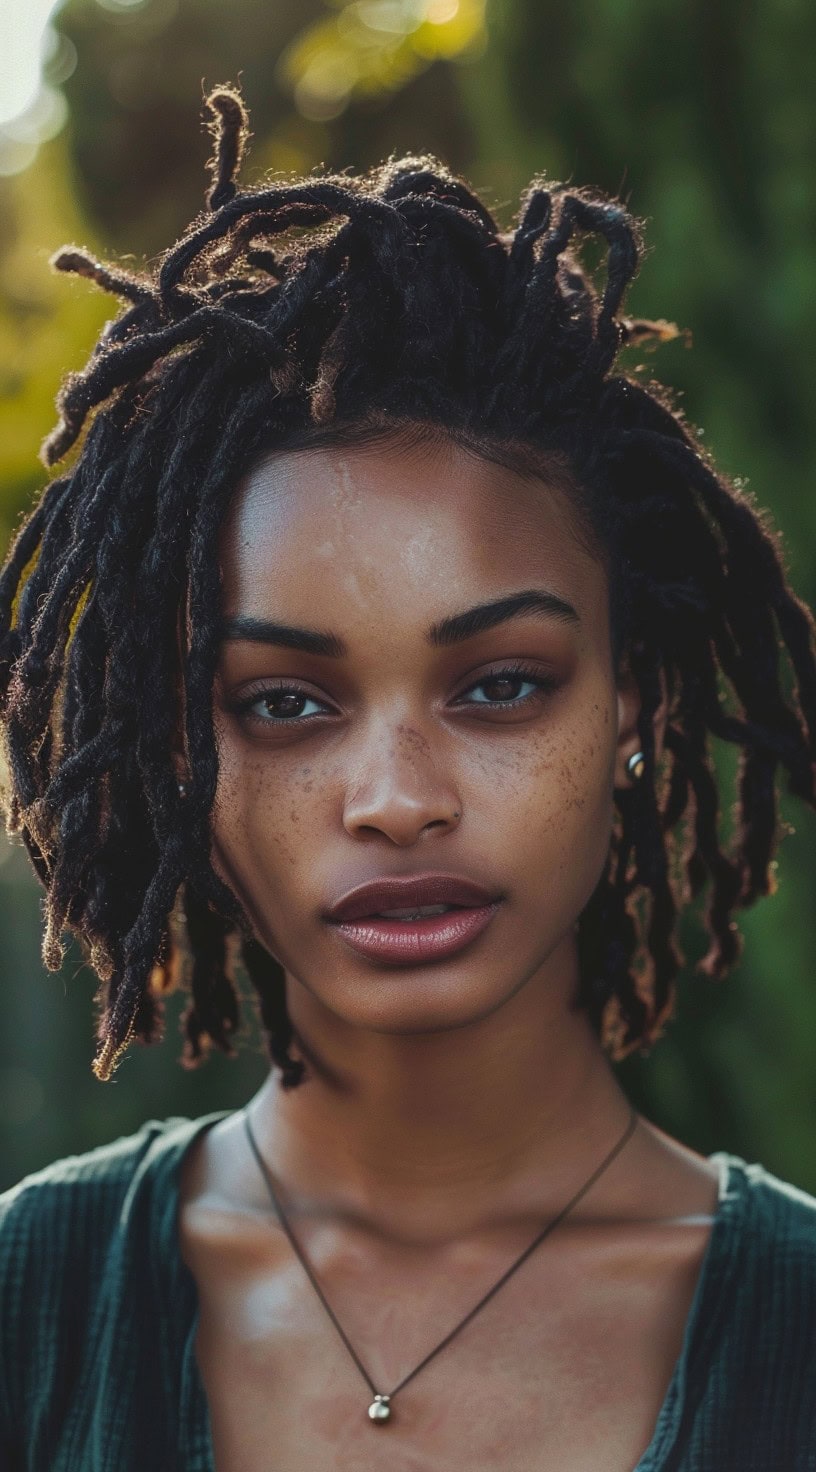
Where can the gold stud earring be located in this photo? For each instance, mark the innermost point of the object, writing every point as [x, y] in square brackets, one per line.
[636, 766]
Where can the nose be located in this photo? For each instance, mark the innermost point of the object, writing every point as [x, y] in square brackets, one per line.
[401, 792]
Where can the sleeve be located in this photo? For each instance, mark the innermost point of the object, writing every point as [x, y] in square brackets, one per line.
[15, 1289]
[58, 1229]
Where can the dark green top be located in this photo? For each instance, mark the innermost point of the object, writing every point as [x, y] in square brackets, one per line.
[98, 1321]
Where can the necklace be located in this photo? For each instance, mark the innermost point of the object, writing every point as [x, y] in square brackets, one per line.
[379, 1411]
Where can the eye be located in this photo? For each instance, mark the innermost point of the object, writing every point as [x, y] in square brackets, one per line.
[280, 704]
[509, 689]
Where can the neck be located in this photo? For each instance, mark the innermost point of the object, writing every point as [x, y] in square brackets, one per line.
[438, 1124]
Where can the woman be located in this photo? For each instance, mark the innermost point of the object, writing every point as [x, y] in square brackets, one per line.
[384, 626]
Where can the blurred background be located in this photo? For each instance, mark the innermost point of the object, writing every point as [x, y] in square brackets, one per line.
[701, 114]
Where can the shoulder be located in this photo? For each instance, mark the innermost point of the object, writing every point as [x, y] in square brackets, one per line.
[744, 1391]
[67, 1234]
[779, 1219]
[759, 1309]
[89, 1187]
[768, 1243]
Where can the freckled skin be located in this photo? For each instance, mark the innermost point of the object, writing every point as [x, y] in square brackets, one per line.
[449, 1109]
[376, 546]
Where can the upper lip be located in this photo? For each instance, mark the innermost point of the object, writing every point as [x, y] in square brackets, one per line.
[409, 893]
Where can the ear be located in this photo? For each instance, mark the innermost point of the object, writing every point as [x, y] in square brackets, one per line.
[629, 708]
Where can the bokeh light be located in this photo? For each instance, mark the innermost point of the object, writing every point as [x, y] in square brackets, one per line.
[32, 109]
[373, 47]
[707, 133]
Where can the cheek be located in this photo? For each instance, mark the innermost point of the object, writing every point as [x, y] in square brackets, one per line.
[584, 778]
[263, 813]
[551, 803]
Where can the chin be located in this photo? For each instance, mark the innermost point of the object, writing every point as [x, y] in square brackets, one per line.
[413, 1001]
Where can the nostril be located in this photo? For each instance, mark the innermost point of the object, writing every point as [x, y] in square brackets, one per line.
[441, 822]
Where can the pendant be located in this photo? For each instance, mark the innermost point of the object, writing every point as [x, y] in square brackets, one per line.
[380, 1410]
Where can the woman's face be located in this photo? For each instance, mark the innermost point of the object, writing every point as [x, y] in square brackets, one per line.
[408, 736]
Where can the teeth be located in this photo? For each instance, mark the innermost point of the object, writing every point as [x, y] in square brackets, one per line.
[420, 913]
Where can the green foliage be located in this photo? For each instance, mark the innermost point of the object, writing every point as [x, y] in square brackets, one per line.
[371, 47]
[44, 328]
[701, 114]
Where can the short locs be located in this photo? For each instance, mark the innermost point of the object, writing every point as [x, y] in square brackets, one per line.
[334, 306]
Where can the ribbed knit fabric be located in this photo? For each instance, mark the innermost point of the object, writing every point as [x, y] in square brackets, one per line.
[98, 1321]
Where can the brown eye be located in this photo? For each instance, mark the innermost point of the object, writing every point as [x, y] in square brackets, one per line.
[284, 703]
[506, 687]
[280, 704]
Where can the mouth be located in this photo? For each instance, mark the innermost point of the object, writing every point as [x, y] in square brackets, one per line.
[414, 921]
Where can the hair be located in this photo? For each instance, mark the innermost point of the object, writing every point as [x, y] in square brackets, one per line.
[346, 308]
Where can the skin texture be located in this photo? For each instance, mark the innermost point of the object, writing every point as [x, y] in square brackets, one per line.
[400, 777]
[450, 1108]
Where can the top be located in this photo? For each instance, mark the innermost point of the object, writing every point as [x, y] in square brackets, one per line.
[98, 1319]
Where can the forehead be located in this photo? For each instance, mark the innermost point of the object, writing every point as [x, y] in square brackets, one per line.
[389, 527]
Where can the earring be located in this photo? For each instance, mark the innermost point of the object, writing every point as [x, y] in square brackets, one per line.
[182, 789]
[636, 766]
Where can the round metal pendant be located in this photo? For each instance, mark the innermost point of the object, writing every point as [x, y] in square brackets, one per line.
[380, 1411]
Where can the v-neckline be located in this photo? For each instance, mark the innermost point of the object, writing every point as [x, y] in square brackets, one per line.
[703, 1320]
[195, 1447]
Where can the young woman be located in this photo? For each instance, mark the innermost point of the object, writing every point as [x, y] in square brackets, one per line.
[374, 643]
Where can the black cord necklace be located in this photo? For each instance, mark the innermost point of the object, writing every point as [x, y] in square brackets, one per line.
[379, 1411]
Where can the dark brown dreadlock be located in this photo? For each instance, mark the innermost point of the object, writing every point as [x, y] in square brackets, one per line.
[345, 306]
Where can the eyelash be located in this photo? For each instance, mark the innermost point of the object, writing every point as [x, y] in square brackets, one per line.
[545, 685]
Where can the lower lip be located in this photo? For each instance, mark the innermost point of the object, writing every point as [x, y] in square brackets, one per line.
[413, 942]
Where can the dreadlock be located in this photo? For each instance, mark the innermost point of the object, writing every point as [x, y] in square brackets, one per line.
[353, 306]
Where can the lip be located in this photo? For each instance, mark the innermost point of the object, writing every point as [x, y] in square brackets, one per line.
[409, 892]
[416, 942]
[413, 942]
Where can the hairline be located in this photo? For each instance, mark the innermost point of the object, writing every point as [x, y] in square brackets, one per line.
[529, 458]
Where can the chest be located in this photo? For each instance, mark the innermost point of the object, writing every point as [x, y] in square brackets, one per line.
[566, 1367]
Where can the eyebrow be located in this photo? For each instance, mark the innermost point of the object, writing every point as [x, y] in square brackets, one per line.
[460, 626]
[262, 631]
[452, 630]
